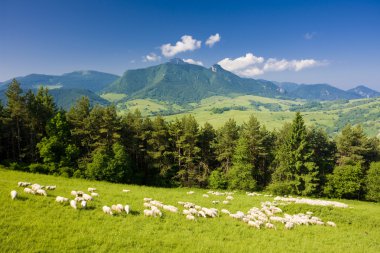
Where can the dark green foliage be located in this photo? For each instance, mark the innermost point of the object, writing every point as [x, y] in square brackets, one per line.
[94, 142]
[345, 182]
[373, 182]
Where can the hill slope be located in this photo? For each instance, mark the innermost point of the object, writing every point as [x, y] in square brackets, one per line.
[88, 80]
[180, 82]
[364, 92]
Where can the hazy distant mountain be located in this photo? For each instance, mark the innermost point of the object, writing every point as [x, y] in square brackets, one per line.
[180, 82]
[364, 92]
[320, 92]
[88, 80]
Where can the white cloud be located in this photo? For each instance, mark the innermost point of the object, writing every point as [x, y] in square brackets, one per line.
[213, 39]
[309, 36]
[251, 65]
[295, 65]
[240, 62]
[191, 61]
[187, 43]
[152, 57]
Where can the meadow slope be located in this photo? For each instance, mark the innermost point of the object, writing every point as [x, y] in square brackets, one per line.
[38, 224]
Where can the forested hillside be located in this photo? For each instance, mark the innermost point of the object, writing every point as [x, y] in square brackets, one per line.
[94, 142]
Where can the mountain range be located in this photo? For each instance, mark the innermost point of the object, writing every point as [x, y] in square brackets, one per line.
[177, 82]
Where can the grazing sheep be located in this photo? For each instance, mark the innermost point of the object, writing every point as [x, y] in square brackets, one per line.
[91, 189]
[126, 209]
[190, 192]
[73, 193]
[289, 225]
[126, 190]
[330, 223]
[147, 199]
[215, 202]
[41, 192]
[73, 204]
[13, 194]
[190, 217]
[23, 184]
[28, 190]
[255, 224]
[83, 204]
[148, 212]
[186, 212]
[202, 213]
[270, 226]
[229, 198]
[226, 202]
[36, 187]
[225, 211]
[87, 197]
[51, 187]
[107, 210]
[120, 207]
[94, 194]
[147, 204]
[60, 199]
[205, 195]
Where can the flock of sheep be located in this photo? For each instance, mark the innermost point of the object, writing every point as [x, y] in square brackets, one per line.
[264, 217]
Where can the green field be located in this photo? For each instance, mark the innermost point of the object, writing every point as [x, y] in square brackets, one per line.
[38, 224]
[273, 113]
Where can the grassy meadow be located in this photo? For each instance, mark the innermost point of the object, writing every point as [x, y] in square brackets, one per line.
[38, 224]
[331, 115]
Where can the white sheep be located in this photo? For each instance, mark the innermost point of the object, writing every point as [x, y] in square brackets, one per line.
[107, 210]
[225, 211]
[73, 204]
[87, 197]
[190, 217]
[226, 202]
[91, 189]
[255, 224]
[229, 197]
[202, 213]
[23, 184]
[124, 190]
[190, 192]
[120, 207]
[126, 209]
[270, 226]
[205, 195]
[215, 202]
[13, 194]
[60, 199]
[36, 187]
[41, 192]
[289, 225]
[330, 223]
[94, 194]
[51, 187]
[83, 204]
[148, 212]
[146, 204]
[73, 193]
[147, 199]
[28, 190]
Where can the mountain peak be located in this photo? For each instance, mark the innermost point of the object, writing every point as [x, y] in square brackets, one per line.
[364, 92]
[177, 61]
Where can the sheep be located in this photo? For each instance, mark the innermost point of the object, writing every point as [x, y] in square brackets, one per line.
[190, 217]
[79, 199]
[169, 208]
[289, 225]
[126, 209]
[186, 212]
[28, 190]
[197, 207]
[73, 204]
[36, 187]
[120, 207]
[83, 204]
[215, 202]
[60, 199]
[86, 197]
[107, 210]
[148, 212]
[147, 199]
[115, 208]
[23, 184]
[147, 204]
[229, 198]
[202, 213]
[225, 211]
[73, 193]
[190, 192]
[205, 196]
[193, 211]
[226, 202]
[254, 224]
[330, 223]
[270, 226]
[13, 194]
[156, 211]
[51, 187]
[124, 190]
[94, 194]
[91, 189]
[41, 192]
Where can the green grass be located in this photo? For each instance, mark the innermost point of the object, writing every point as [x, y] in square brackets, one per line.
[271, 112]
[113, 97]
[39, 224]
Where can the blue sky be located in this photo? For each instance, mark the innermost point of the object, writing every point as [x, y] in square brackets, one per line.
[336, 42]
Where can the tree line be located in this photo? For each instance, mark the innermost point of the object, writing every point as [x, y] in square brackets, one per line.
[95, 142]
